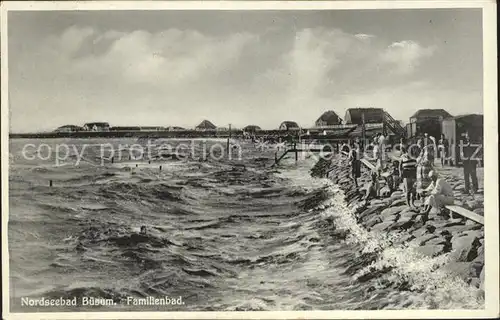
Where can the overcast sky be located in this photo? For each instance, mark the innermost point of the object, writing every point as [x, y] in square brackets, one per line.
[240, 67]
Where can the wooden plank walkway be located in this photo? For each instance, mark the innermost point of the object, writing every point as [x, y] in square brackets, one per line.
[466, 213]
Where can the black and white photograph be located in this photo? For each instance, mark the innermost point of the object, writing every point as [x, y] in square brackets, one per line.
[239, 157]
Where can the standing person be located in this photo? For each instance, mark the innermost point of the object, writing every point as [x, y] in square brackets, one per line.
[381, 139]
[424, 166]
[355, 163]
[402, 145]
[443, 149]
[408, 172]
[426, 140]
[469, 163]
[420, 144]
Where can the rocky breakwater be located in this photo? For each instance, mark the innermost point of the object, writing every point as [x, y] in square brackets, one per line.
[450, 246]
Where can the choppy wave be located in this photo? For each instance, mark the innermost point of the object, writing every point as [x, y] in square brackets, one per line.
[223, 235]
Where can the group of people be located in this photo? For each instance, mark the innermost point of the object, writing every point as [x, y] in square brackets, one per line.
[415, 170]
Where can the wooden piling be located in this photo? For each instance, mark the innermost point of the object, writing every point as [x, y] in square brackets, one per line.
[112, 159]
[50, 183]
[160, 168]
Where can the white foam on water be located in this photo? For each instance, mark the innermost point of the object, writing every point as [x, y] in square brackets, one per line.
[434, 287]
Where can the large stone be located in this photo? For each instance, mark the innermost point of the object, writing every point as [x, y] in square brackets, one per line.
[475, 233]
[382, 226]
[464, 249]
[392, 211]
[397, 202]
[384, 202]
[474, 204]
[372, 210]
[403, 223]
[479, 211]
[460, 269]
[435, 241]
[454, 222]
[423, 239]
[430, 250]
[476, 268]
[373, 221]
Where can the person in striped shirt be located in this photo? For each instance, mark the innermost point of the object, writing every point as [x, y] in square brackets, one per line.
[408, 172]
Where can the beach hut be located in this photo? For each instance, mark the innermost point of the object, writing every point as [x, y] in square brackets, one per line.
[427, 121]
[205, 125]
[289, 126]
[69, 128]
[329, 118]
[174, 128]
[96, 126]
[455, 128]
[251, 128]
[371, 115]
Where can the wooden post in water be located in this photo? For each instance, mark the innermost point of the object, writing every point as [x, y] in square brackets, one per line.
[50, 183]
[112, 159]
[160, 168]
[228, 138]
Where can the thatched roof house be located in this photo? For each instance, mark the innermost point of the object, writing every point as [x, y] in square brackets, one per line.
[426, 114]
[329, 118]
[69, 128]
[251, 128]
[96, 126]
[206, 125]
[371, 115]
[289, 125]
[174, 128]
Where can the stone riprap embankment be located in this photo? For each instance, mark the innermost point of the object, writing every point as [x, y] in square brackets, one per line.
[459, 241]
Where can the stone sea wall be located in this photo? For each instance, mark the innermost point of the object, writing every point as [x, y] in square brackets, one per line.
[460, 239]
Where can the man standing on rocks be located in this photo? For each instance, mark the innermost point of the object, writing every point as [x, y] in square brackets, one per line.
[440, 193]
[355, 163]
[469, 163]
[408, 172]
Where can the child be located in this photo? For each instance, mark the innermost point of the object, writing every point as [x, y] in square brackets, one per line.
[373, 187]
[393, 180]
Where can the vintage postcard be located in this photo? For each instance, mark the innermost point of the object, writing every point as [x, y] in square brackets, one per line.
[249, 160]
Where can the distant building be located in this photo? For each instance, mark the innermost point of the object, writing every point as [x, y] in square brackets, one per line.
[251, 128]
[222, 129]
[371, 115]
[69, 128]
[96, 126]
[151, 128]
[329, 118]
[174, 128]
[427, 121]
[205, 125]
[289, 126]
[454, 130]
[124, 128]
